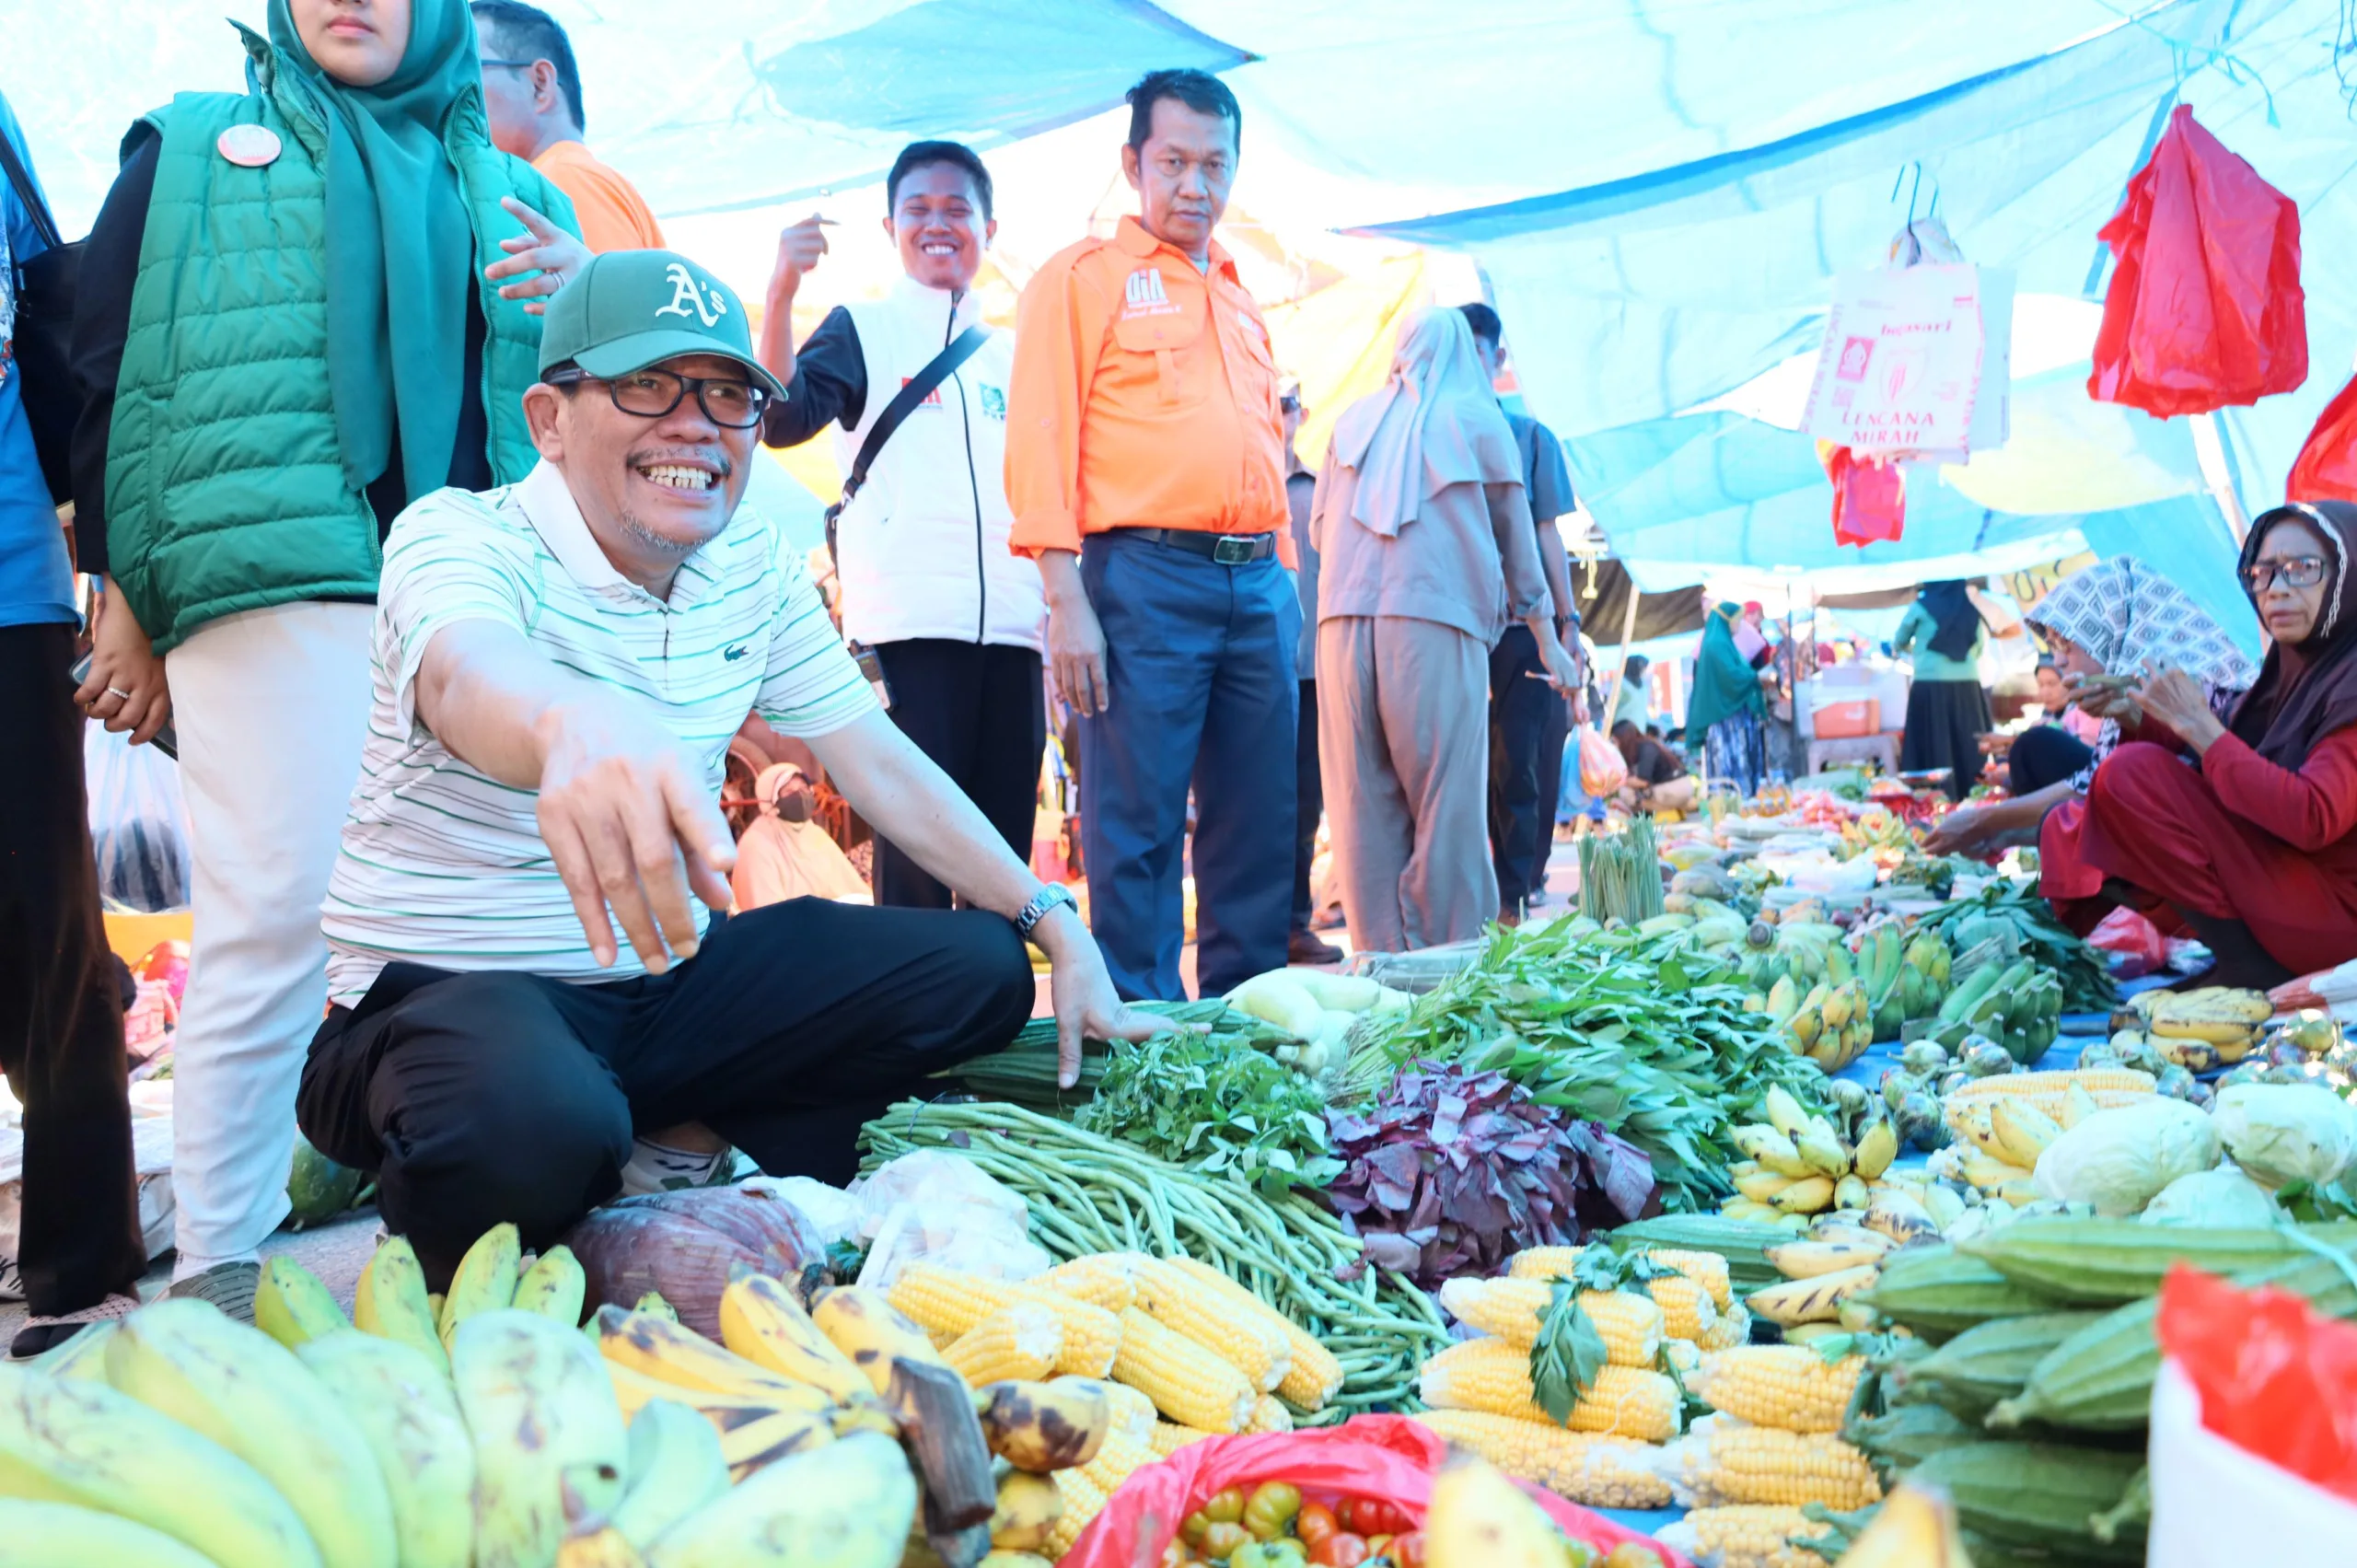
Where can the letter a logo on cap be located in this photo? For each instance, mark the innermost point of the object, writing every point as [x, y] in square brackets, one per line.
[686, 293]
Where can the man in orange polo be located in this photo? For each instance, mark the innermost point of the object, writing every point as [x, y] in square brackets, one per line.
[1145, 469]
[531, 93]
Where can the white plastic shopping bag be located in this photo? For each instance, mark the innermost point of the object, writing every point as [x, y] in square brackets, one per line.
[2217, 1507]
[1914, 361]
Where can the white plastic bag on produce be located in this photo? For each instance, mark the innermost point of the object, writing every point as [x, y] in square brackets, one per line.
[833, 1211]
[934, 1206]
[1905, 367]
[138, 823]
[2215, 1506]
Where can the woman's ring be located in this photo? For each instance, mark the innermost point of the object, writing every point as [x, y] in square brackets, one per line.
[118, 691]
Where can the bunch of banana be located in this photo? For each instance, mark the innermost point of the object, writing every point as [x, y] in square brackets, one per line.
[1797, 1165]
[2214, 1026]
[1832, 1026]
[1999, 1138]
[1904, 979]
[1808, 951]
[2017, 1005]
[1840, 1254]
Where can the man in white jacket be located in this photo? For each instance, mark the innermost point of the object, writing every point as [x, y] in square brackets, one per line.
[928, 582]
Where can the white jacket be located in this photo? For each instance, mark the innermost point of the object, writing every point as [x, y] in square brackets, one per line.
[921, 549]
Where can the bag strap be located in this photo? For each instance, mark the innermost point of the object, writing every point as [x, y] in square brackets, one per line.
[937, 369]
[30, 194]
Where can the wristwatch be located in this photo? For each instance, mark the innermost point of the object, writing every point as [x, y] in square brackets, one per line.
[1049, 896]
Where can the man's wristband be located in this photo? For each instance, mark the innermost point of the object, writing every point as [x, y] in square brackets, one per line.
[1048, 898]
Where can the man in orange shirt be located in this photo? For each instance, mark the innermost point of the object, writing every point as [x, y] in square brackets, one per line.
[531, 90]
[1146, 469]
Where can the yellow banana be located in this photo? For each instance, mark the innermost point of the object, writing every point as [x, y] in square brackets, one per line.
[761, 1443]
[654, 1306]
[1784, 1112]
[485, 1280]
[542, 1411]
[1762, 1185]
[1479, 1519]
[864, 1325]
[77, 1440]
[1877, 1148]
[1816, 1299]
[1850, 1192]
[1046, 1426]
[673, 1352]
[406, 1412]
[632, 1390]
[604, 1547]
[1822, 1153]
[857, 1496]
[2211, 1033]
[84, 1355]
[1990, 1174]
[1805, 1196]
[553, 1286]
[392, 1304]
[1772, 1149]
[291, 1305]
[1747, 1209]
[1806, 1026]
[1808, 1259]
[1028, 1507]
[236, 1385]
[40, 1533]
[2021, 1129]
[762, 1321]
[676, 1468]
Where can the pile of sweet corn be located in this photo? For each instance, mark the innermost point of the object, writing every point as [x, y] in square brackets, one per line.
[1745, 1535]
[1775, 1441]
[1184, 1351]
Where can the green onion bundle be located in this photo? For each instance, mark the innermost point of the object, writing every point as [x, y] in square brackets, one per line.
[1620, 874]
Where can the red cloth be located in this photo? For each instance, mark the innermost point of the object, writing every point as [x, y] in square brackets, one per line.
[2239, 839]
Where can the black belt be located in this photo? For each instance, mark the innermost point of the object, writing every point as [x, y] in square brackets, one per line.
[1227, 549]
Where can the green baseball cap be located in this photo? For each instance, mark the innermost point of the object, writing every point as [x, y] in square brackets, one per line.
[632, 309]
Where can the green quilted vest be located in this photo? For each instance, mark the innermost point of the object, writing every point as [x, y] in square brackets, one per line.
[225, 489]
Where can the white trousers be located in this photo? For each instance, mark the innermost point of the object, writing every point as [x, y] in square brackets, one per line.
[271, 708]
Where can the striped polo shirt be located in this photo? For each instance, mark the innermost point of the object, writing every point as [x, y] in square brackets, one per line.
[443, 866]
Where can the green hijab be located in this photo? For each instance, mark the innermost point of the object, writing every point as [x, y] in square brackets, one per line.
[1724, 682]
[400, 249]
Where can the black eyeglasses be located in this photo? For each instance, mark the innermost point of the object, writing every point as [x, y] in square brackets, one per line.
[651, 394]
[2300, 571]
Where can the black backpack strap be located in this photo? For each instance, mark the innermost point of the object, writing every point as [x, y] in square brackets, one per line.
[26, 193]
[957, 351]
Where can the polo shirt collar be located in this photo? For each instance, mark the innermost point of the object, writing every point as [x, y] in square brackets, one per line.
[1131, 235]
[550, 507]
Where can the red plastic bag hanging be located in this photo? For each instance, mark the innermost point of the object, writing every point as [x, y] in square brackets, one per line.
[1387, 1458]
[1869, 495]
[2275, 1379]
[2327, 468]
[2204, 308]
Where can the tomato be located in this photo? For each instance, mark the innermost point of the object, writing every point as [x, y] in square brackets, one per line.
[1285, 1553]
[1225, 1507]
[1272, 1508]
[1314, 1522]
[1222, 1538]
[1191, 1528]
[1407, 1551]
[1378, 1545]
[1370, 1516]
[1340, 1550]
[1175, 1555]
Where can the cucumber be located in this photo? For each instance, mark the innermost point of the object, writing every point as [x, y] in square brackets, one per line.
[2104, 1262]
[2039, 1495]
[1935, 1291]
[1988, 1363]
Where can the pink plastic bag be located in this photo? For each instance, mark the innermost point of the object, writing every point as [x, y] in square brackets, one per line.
[1869, 498]
[2125, 931]
[1602, 768]
[2276, 1379]
[2204, 308]
[2326, 468]
[1385, 1458]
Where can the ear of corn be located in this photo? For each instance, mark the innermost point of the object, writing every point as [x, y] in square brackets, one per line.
[1269, 1414]
[1167, 1437]
[1188, 1382]
[1733, 1328]
[1594, 1471]
[1109, 1279]
[1246, 1340]
[1081, 1501]
[947, 1302]
[1723, 1460]
[1315, 1375]
[1708, 1269]
[1790, 1386]
[1021, 1340]
[1491, 1375]
[1133, 1414]
[1631, 1324]
[1745, 1536]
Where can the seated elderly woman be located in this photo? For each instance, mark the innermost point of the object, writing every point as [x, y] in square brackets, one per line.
[2248, 827]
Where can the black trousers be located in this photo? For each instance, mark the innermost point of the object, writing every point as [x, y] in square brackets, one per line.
[1309, 804]
[1519, 829]
[2044, 754]
[61, 1016]
[1554, 730]
[979, 712]
[488, 1097]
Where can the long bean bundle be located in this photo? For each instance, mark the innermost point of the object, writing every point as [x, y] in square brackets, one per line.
[1620, 874]
[1088, 1194]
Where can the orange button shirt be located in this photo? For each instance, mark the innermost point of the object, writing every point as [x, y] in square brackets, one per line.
[1144, 395]
[612, 214]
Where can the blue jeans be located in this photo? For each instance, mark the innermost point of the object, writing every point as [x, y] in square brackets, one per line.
[1200, 661]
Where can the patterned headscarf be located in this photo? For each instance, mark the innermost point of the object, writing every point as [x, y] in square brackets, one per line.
[2126, 615]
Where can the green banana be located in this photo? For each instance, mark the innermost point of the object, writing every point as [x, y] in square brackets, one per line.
[855, 1495]
[78, 1441]
[84, 1355]
[236, 1385]
[391, 1303]
[60, 1533]
[409, 1417]
[554, 1287]
[291, 1305]
[1838, 971]
[485, 1280]
[676, 1467]
[542, 1411]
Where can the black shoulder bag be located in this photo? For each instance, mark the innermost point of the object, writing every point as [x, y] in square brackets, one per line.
[44, 334]
[937, 369]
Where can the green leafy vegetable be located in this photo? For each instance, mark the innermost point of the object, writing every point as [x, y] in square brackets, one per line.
[1567, 1357]
[1213, 1103]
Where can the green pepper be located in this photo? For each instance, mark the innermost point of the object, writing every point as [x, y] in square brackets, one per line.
[1271, 1512]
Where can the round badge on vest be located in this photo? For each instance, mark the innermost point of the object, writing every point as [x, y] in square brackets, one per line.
[249, 146]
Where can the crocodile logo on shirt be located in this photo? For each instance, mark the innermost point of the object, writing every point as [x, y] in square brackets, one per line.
[734, 654]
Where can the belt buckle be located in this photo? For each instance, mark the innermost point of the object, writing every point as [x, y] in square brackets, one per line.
[1233, 549]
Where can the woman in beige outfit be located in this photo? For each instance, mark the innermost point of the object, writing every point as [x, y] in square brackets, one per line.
[1426, 553]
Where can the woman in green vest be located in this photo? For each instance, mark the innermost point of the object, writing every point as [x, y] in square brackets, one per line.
[302, 307]
[1724, 715]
